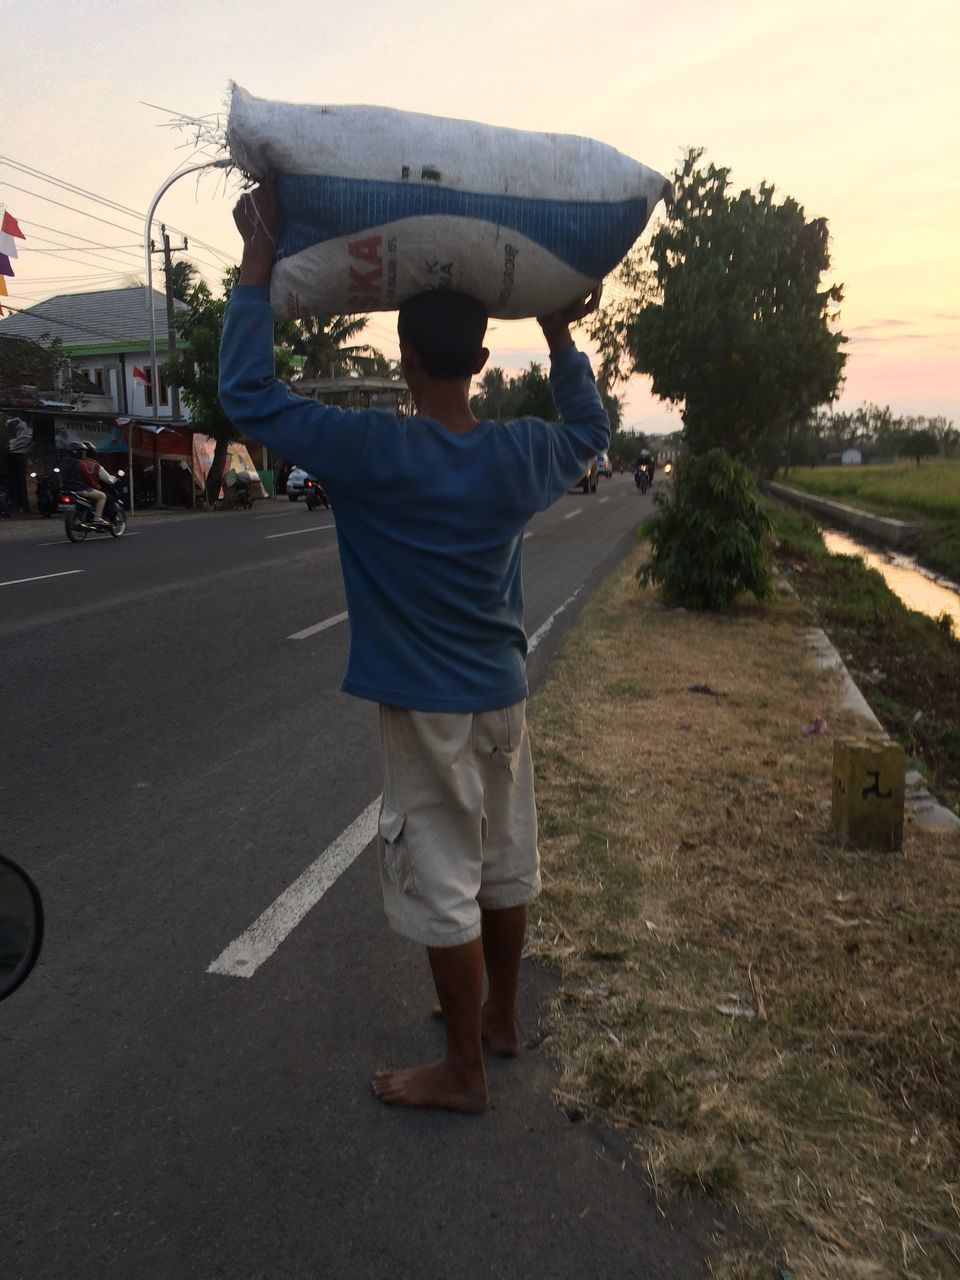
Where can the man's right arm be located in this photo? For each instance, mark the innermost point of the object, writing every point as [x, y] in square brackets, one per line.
[326, 440]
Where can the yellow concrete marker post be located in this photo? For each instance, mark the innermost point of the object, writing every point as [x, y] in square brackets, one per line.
[868, 784]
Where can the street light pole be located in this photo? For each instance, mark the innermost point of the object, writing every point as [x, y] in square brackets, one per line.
[148, 258]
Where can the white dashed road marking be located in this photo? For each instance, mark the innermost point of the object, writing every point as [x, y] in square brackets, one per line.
[575, 512]
[319, 626]
[244, 956]
[41, 576]
[314, 528]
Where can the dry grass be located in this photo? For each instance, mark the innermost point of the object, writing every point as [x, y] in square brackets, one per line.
[777, 1021]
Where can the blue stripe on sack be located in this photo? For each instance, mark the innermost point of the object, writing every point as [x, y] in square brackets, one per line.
[589, 236]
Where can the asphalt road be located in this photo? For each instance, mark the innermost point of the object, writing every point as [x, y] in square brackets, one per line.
[176, 764]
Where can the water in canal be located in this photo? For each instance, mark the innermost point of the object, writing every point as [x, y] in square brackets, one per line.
[918, 588]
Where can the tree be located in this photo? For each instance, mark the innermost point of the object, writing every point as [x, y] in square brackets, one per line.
[196, 369]
[726, 313]
[322, 341]
[920, 444]
[526, 394]
[491, 401]
[183, 276]
[25, 363]
[708, 539]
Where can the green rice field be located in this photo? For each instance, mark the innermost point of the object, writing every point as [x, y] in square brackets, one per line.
[903, 489]
[930, 492]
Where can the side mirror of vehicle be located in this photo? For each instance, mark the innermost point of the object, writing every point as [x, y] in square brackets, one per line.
[21, 926]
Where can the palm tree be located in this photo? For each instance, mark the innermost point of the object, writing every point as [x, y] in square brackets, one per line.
[183, 276]
[322, 341]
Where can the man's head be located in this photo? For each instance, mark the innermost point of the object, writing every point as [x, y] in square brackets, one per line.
[441, 336]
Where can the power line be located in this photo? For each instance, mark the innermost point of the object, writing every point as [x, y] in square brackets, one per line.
[29, 222]
[104, 200]
[73, 209]
[74, 248]
[111, 262]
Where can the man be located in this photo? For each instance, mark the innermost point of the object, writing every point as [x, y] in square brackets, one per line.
[77, 474]
[430, 518]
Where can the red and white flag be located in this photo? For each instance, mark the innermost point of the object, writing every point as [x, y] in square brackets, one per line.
[139, 373]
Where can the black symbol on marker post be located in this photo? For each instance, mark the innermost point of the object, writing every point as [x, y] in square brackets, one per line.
[874, 789]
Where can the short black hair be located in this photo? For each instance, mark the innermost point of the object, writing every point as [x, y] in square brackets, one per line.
[445, 329]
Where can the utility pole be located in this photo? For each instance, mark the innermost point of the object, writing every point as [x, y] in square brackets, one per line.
[171, 350]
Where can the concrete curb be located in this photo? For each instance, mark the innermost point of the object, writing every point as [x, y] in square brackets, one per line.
[926, 811]
[896, 533]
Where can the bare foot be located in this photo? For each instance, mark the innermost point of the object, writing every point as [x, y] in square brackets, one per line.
[435, 1084]
[500, 1037]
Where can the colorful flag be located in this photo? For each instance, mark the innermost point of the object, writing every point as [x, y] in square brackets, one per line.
[138, 373]
[5, 267]
[8, 245]
[11, 227]
[3, 287]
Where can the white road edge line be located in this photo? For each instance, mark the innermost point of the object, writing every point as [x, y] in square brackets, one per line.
[570, 514]
[41, 576]
[316, 528]
[320, 626]
[542, 630]
[246, 954]
[603, 500]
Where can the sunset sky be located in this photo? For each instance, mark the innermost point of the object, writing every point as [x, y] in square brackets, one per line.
[852, 108]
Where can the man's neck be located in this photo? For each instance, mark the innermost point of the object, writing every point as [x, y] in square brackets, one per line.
[449, 404]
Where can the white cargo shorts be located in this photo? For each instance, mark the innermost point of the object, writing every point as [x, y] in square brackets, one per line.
[458, 820]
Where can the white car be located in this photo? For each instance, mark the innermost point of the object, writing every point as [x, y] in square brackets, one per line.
[296, 481]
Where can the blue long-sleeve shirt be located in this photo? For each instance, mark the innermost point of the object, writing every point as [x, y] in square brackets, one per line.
[429, 522]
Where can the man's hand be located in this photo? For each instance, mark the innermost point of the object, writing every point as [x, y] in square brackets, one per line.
[258, 218]
[556, 325]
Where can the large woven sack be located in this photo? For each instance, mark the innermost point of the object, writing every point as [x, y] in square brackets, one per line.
[379, 205]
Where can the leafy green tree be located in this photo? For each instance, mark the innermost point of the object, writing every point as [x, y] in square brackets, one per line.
[491, 401]
[196, 369]
[725, 311]
[531, 395]
[920, 444]
[526, 394]
[24, 363]
[708, 537]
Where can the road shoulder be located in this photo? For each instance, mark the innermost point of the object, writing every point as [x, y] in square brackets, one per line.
[766, 1016]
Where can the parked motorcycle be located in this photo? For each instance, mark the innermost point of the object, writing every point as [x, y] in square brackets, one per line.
[316, 497]
[79, 518]
[48, 493]
[244, 498]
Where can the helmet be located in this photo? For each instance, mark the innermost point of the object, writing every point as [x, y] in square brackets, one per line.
[75, 447]
[88, 446]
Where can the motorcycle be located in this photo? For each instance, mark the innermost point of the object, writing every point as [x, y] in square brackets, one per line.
[48, 493]
[641, 478]
[315, 495]
[244, 498]
[79, 519]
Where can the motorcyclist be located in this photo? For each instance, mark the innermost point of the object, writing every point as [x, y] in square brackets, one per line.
[644, 462]
[80, 476]
[95, 465]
